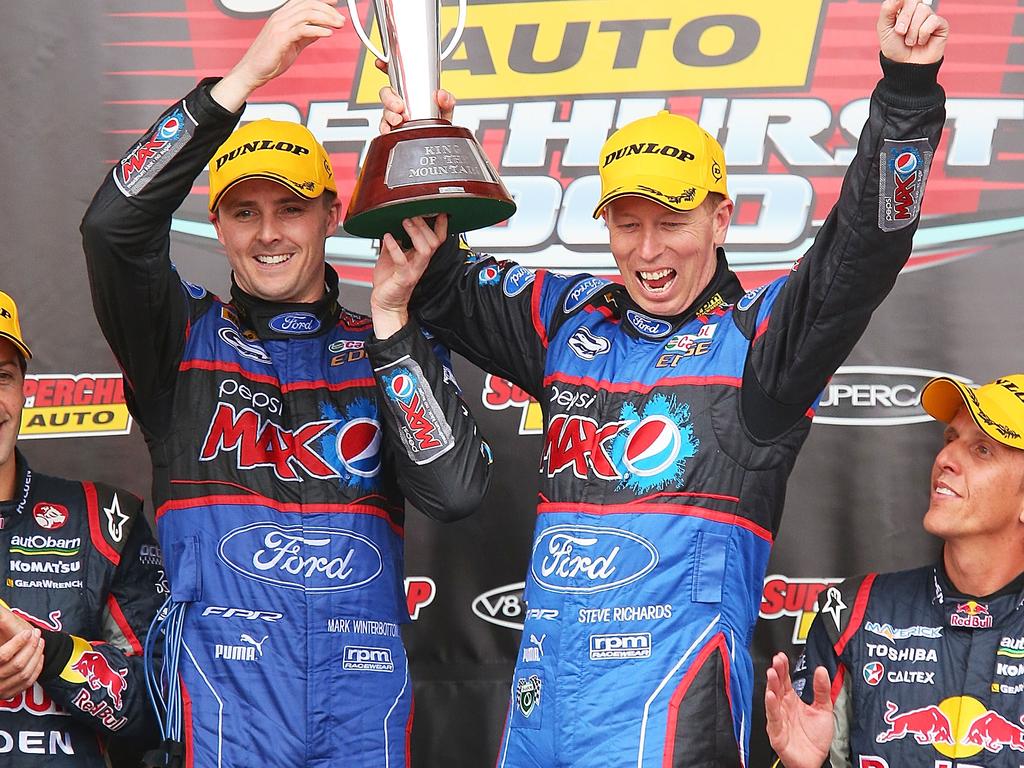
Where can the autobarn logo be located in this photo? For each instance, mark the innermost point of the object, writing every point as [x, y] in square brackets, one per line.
[882, 396]
[303, 558]
[74, 405]
[788, 597]
[547, 75]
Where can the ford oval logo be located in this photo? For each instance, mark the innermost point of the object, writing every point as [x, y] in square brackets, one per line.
[581, 292]
[648, 326]
[295, 323]
[876, 396]
[310, 559]
[585, 559]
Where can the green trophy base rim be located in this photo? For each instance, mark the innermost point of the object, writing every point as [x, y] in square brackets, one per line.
[465, 213]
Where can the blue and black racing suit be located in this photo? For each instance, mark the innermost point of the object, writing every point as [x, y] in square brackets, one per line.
[280, 466]
[922, 674]
[668, 444]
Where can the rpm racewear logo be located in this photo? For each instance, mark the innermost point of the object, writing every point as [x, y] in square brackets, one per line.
[74, 405]
[543, 83]
[583, 559]
[303, 558]
[881, 396]
[784, 596]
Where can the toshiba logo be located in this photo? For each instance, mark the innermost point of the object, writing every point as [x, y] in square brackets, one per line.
[879, 396]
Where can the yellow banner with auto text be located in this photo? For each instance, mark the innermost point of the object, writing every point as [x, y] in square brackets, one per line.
[570, 48]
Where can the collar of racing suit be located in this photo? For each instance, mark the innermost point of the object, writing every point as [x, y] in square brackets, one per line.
[22, 487]
[721, 291]
[964, 611]
[263, 316]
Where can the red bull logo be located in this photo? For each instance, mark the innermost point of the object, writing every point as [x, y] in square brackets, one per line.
[928, 725]
[957, 727]
[101, 676]
[971, 615]
[992, 731]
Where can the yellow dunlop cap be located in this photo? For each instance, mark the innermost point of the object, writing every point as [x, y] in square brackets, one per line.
[10, 328]
[284, 152]
[666, 158]
[997, 407]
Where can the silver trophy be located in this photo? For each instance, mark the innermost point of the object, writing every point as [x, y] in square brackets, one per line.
[426, 166]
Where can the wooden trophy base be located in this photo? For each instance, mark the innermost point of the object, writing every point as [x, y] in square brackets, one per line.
[424, 168]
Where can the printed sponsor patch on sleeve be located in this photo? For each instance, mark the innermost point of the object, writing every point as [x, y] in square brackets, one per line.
[424, 430]
[902, 173]
[143, 161]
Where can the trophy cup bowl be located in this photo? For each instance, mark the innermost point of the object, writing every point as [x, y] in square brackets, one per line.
[426, 166]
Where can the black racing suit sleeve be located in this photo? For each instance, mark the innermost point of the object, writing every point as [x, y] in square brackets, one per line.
[826, 303]
[109, 693]
[501, 334]
[138, 299]
[441, 460]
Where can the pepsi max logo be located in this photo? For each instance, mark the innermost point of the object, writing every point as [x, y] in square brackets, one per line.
[584, 559]
[582, 291]
[169, 129]
[516, 281]
[648, 326]
[295, 323]
[906, 163]
[749, 298]
[297, 557]
[489, 275]
[359, 447]
[652, 447]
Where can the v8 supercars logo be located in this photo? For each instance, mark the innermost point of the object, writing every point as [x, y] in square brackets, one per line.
[74, 405]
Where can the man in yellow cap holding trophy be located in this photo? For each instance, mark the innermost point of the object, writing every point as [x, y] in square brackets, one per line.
[675, 405]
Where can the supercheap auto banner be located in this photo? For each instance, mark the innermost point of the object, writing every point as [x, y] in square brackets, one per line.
[783, 86]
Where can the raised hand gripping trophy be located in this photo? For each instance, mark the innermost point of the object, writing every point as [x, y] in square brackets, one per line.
[425, 166]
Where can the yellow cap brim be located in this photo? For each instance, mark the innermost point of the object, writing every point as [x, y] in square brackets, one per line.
[310, 194]
[18, 343]
[943, 397]
[652, 190]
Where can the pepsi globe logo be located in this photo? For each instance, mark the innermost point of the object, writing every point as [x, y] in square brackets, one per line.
[170, 128]
[906, 163]
[359, 447]
[402, 386]
[489, 275]
[652, 447]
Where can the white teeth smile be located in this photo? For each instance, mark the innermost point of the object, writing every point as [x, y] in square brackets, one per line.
[944, 491]
[268, 259]
[656, 275]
